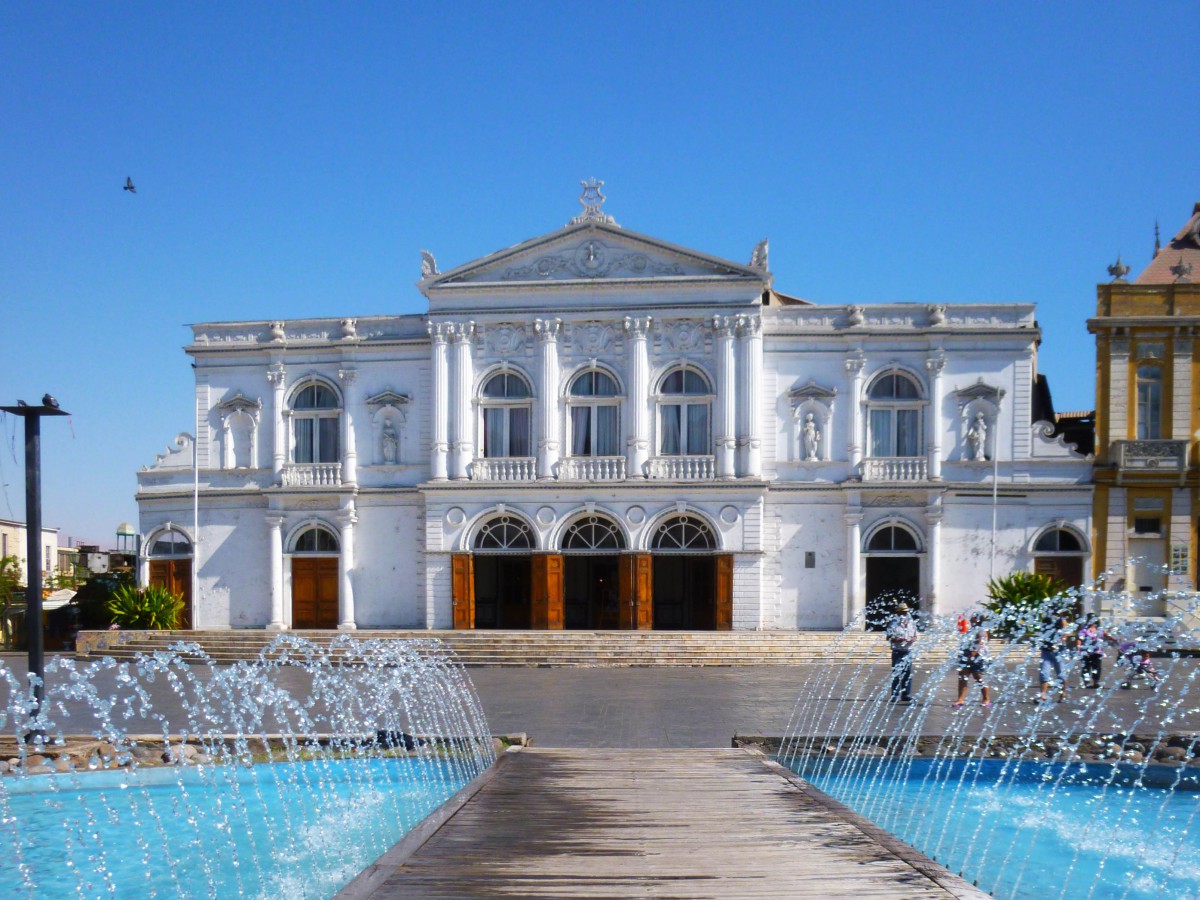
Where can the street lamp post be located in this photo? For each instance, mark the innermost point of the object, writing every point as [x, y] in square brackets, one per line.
[33, 533]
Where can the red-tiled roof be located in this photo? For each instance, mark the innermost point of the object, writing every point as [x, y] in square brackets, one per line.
[1184, 248]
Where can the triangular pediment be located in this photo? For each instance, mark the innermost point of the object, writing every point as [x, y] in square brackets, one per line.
[592, 252]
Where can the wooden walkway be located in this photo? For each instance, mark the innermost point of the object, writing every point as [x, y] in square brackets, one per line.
[650, 823]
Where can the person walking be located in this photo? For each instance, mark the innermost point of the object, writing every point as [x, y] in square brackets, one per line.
[1091, 641]
[973, 661]
[902, 636]
[1052, 642]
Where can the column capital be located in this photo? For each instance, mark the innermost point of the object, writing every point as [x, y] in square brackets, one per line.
[547, 330]
[748, 326]
[855, 362]
[933, 515]
[275, 521]
[439, 331]
[724, 326]
[275, 373]
[637, 326]
[347, 518]
[347, 375]
[852, 518]
[462, 332]
[936, 362]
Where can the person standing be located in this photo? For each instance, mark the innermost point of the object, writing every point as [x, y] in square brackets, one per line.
[1052, 642]
[973, 661]
[902, 636]
[1091, 641]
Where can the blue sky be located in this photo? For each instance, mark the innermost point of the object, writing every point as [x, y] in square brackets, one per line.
[292, 159]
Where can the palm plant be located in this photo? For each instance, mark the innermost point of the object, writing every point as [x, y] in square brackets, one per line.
[151, 608]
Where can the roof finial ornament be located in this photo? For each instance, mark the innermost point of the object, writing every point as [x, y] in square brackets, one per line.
[1118, 271]
[758, 259]
[1182, 270]
[591, 200]
[428, 265]
[1157, 242]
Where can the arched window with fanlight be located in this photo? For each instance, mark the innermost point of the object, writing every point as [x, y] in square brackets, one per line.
[1060, 553]
[894, 411]
[170, 566]
[594, 401]
[893, 568]
[507, 404]
[500, 571]
[591, 546]
[684, 407]
[684, 565]
[316, 594]
[316, 419]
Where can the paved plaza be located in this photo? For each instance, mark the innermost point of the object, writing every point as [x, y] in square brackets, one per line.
[705, 707]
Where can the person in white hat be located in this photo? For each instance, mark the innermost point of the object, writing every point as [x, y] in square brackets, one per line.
[902, 635]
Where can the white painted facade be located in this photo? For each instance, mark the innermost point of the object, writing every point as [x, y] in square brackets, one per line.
[419, 468]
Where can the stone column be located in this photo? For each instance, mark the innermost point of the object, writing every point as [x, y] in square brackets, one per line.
[749, 436]
[439, 400]
[548, 444]
[462, 436]
[637, 444]
[275, 373]
[1181, 389]
[346, 521]
[853, 598]
[1119, 390]
[855, 362]
[275, 524]
[933, 445]
[348, 377]
[725, 419]
[933, 521]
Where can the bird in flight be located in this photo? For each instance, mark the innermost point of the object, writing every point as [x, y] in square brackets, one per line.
[129, 185]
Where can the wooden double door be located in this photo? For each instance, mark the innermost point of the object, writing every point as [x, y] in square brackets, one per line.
[315, 592]
[550, 591]
[176, 576]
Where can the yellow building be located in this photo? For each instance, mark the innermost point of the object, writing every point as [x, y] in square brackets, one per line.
[1147, 467]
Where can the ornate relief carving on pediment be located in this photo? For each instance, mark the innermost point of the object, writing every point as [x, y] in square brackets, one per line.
[592, 338]
[892, 499]
[683, 335]
[388, 397]
[591, 258]
[239, 402]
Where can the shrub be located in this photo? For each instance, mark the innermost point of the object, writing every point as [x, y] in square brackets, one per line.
[152, 608]
[1018, 603]
[92, 600]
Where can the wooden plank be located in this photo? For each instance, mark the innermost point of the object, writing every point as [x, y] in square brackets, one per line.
[655, 823]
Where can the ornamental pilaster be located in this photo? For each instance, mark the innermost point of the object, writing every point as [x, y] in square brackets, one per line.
[275, 375]
[348, 376]
[853, 601]
[749, 438]
[549, 443]
[346, 521]
[440, 412]
[637, 443]
[933, 523]
[935, 364]
[724, 328]
[855, 363]
[275, 551]
[462, 436]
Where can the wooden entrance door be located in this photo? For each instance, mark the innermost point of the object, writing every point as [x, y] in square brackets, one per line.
[636, 592]
[314, 592]
[176, 576]
[1067, 569]
[686, 594]
[591, 592]
[546, 607]
[890, 580]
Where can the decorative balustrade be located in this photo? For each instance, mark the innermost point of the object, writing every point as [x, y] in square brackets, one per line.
[682, 468]
[312, 475]
[592, 468]
[514, 468]
[894, 468]
[1160, 456]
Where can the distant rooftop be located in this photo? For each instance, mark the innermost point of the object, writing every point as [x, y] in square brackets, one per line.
[1179, 260]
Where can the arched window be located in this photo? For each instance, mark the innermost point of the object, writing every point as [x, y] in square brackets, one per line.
[504, 533]
[1149, 403]
[894, 416]
[171, 543]
[595, 406]
[507, 413]
[684, 402]
[316, 540]
[1058, 540]
[593, 533]
[892, 539]
[683, 533]
[315, 424]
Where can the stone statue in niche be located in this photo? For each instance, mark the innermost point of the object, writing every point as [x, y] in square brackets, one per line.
[391, 443]
[812, 439]
[977, 438]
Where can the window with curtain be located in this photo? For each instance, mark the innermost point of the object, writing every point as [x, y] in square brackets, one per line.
[316, 420]
[1149, 403]
[894, 413]
[594, 413]
[685, 401]
[507, 416]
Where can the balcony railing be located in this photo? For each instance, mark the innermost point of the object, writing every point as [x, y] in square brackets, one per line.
[1158, 456]
[592, 468]
[513, 468]
[682, 468]
[894, 468]
[312, 475]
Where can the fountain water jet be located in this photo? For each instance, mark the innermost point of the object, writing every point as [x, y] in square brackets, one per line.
[286, 775]
[1095, 796]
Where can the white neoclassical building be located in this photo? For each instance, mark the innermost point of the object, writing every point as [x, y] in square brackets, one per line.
[599, 429]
